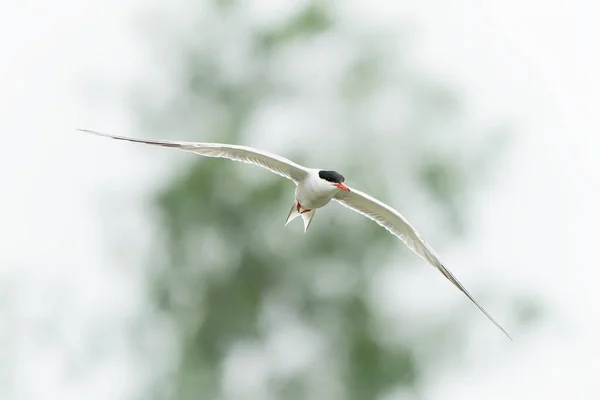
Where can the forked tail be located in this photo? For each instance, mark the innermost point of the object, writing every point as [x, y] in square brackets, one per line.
[307, 216]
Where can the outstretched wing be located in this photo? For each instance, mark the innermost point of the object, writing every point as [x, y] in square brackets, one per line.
[394, 222]
[274, 163]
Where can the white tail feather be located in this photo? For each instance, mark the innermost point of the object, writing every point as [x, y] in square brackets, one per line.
[307, 216]
[293, 214]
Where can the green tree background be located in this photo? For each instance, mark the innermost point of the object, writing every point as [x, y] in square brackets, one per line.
[294, 315]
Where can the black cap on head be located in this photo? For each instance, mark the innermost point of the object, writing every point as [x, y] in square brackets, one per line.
[331, 176]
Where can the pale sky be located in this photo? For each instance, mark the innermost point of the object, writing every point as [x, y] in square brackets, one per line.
[531, 62]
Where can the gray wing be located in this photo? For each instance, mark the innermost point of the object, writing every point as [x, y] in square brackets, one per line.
[274, 163]
[394, 222]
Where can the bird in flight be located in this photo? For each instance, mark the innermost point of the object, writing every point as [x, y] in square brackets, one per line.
[315, 188]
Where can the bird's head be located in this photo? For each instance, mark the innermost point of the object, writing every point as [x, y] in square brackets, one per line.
[335, 178]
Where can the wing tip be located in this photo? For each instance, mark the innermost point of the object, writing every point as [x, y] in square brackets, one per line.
[94, 132]
[500, 327]
[505, 332]
[163, 143]
[448, 275]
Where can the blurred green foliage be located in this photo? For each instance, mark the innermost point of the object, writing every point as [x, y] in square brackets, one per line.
[229, 280]
[310, 21]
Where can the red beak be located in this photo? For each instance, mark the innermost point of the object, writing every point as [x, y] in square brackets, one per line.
[342, 186]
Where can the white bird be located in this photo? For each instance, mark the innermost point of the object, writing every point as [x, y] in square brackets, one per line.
[315, 188]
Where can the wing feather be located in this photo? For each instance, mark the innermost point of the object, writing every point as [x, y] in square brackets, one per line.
[272, 162]
[396, 224]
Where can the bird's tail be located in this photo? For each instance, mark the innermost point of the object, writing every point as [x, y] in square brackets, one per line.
[307, 216]
[293, 213]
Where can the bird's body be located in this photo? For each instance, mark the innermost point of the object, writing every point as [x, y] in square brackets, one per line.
[315, 188]
[312, 193]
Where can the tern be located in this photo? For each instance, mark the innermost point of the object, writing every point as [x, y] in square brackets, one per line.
[315, 188]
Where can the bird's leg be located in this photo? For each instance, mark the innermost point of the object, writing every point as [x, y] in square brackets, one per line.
[299, 207]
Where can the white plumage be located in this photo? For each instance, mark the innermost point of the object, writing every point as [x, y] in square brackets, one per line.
[315, 188]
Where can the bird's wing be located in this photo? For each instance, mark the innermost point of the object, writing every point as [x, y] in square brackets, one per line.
[272, 162]
[394, 222]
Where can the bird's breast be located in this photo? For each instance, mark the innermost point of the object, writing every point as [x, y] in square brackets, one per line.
[311, 194]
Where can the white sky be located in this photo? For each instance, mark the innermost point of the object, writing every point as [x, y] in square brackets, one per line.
[529, 61]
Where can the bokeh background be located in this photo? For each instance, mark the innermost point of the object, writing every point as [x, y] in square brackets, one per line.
[132, 272]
